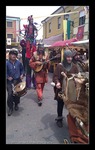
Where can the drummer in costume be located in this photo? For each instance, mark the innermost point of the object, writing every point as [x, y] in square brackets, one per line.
[30, 34]
[41, 78]
[15, 71]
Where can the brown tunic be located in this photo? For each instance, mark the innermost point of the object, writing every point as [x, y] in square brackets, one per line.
[57, 77]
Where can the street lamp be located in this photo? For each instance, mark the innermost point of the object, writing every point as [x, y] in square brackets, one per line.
[66, 17]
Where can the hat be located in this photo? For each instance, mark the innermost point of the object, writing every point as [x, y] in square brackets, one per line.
[68, 53]
[30, 17]
[13, 51]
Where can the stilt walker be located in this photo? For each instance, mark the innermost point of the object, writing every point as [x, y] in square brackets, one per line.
[30, 34]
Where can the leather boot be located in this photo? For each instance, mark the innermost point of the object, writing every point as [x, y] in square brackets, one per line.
[39, 102]
[16, 107]
[59, 122]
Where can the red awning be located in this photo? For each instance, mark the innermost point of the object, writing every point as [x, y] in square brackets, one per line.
[64, 43]
[52, 39]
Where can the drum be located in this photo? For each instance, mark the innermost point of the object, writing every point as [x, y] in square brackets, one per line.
[20, 89]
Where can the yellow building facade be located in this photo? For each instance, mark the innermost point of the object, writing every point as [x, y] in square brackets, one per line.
[53, 29]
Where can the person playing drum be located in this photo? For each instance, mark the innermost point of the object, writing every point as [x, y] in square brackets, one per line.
[14, 71]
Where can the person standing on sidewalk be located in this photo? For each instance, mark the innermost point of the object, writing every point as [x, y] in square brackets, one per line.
[14, 71]
[41, 77]
[67, 67]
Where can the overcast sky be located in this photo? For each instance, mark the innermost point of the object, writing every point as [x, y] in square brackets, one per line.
[36, 11]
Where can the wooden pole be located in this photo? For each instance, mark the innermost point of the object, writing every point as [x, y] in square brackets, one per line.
[62, 54]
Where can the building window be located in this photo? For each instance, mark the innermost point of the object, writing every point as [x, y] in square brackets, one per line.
[10, 36]
[49, 27]
[9, 24]
[59, 22]
[82, 18]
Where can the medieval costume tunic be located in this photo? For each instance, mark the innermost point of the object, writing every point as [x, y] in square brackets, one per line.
[41, 76]
[67, 68]
[58, 77]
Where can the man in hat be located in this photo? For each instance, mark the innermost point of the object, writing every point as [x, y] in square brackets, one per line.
[40, 60]
[67, 67]
[15, 71]
[30, 35]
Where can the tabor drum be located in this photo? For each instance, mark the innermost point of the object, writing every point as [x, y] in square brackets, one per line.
[20, 89]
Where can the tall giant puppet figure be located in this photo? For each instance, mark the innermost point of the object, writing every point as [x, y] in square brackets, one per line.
[30, 34]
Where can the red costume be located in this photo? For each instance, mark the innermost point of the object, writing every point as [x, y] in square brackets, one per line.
[41, 76]
[30, 31]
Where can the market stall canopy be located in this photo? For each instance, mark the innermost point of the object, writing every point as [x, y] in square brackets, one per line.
[52, 39]
[64, 43]
[84, 43]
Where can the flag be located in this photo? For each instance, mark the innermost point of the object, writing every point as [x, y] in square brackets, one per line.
[80, 32]
[68, 28]
[65, 28]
